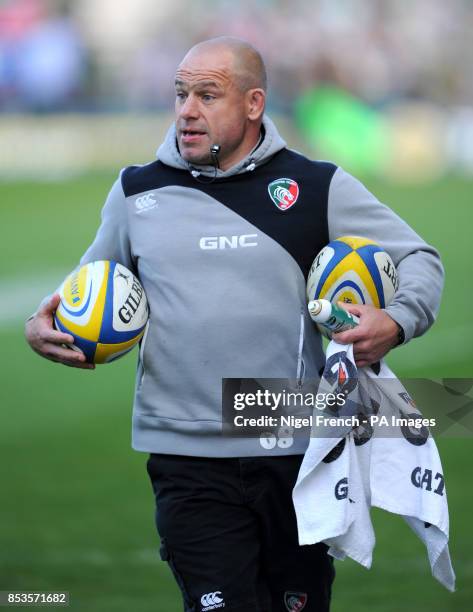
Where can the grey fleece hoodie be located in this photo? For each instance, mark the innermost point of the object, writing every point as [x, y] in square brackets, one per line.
[224, 271]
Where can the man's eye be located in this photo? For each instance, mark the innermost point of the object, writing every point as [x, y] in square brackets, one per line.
[208, 98]
[180, 95]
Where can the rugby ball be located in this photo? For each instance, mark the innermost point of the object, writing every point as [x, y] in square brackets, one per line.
[353, 270]
[104, 307]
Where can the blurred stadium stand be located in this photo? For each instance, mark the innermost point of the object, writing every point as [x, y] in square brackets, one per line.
[80, 79]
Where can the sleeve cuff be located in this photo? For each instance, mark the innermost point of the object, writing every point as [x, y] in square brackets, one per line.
[404, 323]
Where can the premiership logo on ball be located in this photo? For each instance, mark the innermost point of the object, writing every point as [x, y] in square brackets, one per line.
[104, 307]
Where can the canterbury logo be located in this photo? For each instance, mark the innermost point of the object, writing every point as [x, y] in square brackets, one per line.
[212, 601]
[145, 202]
[228, 242]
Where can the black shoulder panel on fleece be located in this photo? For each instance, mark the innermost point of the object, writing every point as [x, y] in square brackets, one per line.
[136, 179]
[301, 229]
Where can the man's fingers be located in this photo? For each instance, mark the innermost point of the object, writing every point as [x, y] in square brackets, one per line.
[41, 334]
[50, 306]
[362, 348]
[350, 336]
[53, 351]
[56, 337]
[71, 364]
[66, 357]
[366, 358]
[351, 308]
[81, 366]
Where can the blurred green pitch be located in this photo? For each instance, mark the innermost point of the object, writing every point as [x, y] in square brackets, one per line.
[76, 509]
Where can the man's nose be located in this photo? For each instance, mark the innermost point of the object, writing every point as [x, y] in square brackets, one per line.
[189, 109]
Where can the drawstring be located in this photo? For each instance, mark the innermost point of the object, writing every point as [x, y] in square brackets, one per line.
[214, 151]
[251, 165]
[197, 173]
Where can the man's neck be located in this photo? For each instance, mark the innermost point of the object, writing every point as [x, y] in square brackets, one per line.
[254, 143]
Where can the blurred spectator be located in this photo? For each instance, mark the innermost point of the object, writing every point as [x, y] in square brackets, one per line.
[16, 20]
[350, 72]
[50, 66]
[378, 51]
[43, 63]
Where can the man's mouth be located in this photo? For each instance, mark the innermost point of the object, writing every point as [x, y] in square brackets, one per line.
[189, 134]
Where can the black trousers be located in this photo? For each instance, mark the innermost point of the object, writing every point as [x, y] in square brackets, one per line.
[228, 531]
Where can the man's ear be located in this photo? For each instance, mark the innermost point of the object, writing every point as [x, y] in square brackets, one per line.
[256, 99]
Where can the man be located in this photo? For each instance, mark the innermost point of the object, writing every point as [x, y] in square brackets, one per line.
[223, 259]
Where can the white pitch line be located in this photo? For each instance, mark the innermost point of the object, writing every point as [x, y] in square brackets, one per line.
[97, 557]
[19, 297]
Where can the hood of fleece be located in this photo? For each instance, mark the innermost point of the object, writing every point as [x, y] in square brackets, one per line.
[272, 142]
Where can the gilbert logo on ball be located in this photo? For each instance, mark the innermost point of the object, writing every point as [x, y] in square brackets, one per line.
[104, 307]
[353, 270]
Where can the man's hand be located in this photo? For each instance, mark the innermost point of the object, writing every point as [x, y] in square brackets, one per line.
[375, 336]
[48, 342]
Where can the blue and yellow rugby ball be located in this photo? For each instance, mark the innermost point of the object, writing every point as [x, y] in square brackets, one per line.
[353, 270]
[104, 307]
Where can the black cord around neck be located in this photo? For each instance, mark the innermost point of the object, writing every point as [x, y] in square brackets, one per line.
[214, 151]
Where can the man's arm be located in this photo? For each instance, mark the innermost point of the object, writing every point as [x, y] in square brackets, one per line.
[111, 242]
[353, 210]
[112, 239]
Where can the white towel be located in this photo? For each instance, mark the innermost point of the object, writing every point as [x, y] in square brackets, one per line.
[343, 474]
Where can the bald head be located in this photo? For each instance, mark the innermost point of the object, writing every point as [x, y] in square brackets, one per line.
[249, 71]
[220, 99]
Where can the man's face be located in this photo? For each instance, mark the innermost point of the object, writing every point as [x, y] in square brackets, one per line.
[210, 109]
